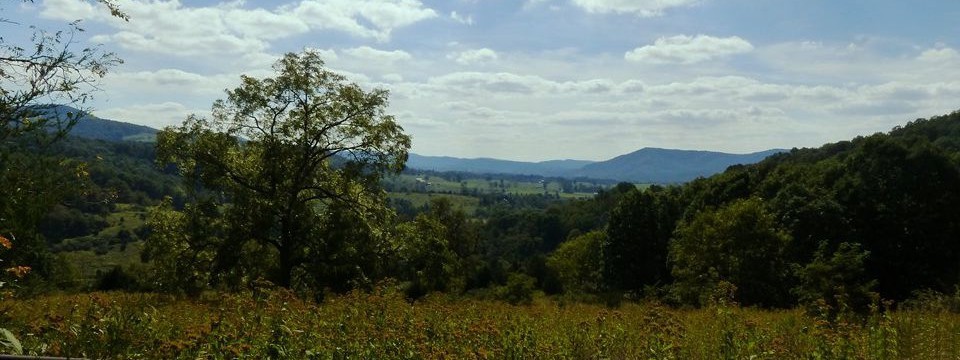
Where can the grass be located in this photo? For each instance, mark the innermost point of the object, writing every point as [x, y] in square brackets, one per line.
[126, 217]
[105, 252]
[89, 263]
[469, 204]
[383, 325]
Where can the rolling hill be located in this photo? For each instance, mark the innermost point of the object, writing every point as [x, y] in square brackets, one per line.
[655, 165]
[495, 166]
[647, 165]
[90, 126]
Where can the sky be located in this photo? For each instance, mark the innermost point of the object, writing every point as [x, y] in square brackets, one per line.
[537, 80]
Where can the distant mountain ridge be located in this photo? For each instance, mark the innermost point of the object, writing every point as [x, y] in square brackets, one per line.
[659, 166]
[647, 165]
[90, 126]
[494, 166]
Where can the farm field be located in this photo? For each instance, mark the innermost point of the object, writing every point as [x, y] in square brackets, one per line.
[490, 184]
[383, 325]
[469, 204]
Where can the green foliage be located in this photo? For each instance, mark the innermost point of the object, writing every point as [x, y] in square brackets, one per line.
[118, 278]
[577, 263]
[837, 282]
[901, 196]
[518, 290]
[929, 300]
[741, 244]
[282, 152]
[893, 194]
[638, 234]
[9, 342]
[349, 249]
[36, 183]
[176, 247]
[34, 72]
[427, 258]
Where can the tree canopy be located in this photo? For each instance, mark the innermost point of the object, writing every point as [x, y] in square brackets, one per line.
[280, 155]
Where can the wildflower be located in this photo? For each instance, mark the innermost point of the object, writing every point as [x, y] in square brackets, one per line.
[19, 271]
[5, 242]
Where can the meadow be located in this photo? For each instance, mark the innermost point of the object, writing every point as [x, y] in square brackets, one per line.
[382, 324]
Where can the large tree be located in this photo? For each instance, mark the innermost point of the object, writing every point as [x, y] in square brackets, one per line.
[638, 235]
[740, 244]
[280, 155]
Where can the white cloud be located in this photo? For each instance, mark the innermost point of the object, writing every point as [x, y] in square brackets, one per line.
[869, 62]
[69, 10]
[172, 85]
[171, 28]
[685, 49]
[475, 56]
[632, 86]
[369, 53]
[510, 84]
[325, 54]
[506, 83]
[392, 77]
[939, 55]
[645, 8]
[263, 24]
[466, 20]
[164, 77]
[179, 29]
[156, 115]
[352, 16]
[592, 86]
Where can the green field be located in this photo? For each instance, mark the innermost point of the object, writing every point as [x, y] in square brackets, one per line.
[488, 184]
[468, 204]
[106, 250]
[90, 264]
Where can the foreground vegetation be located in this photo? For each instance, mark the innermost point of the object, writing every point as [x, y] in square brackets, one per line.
[382, 324]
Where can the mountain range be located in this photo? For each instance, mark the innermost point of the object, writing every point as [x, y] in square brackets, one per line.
[647, 165]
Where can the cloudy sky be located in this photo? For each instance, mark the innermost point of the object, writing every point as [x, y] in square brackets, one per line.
[550, 79]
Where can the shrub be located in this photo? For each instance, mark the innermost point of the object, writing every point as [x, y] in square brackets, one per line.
[518, 290]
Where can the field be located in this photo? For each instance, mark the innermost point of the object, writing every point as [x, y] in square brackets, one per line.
[468, 204]
[383, 325]
[454, 183]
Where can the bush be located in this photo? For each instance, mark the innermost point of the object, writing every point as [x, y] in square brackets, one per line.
[118, 279]
[518, 290]
[837, 283]
[930, 300]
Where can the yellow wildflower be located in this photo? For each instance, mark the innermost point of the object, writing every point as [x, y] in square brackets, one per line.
[19, 271]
